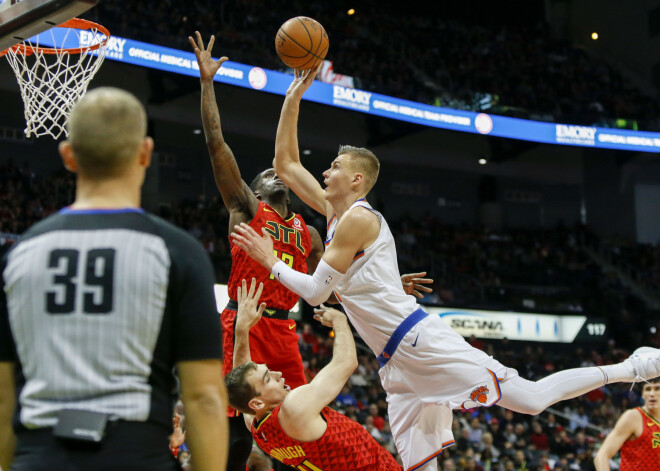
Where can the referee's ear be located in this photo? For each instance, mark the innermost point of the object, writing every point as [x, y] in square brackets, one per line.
[66, 152]
[146, 149]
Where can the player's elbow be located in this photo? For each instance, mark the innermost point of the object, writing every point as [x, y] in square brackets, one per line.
[315, 299]
[215, 142]
[281, 168]
[602, 459]
[284, 164]
[353, 364]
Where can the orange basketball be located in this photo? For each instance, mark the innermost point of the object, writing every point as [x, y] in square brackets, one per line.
[302, 43]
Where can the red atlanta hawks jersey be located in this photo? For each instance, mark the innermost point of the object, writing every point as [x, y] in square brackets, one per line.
[345, 445]
[643, 453]
[291, 243]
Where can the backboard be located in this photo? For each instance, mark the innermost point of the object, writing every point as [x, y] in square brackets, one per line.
[20, 20]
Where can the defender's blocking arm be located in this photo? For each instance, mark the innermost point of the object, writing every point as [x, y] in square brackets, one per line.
[247, 317]
[236, 194]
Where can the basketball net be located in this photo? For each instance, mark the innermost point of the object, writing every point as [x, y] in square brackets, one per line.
[53, 79]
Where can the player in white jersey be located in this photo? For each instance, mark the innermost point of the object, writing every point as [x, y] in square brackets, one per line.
[426, 368]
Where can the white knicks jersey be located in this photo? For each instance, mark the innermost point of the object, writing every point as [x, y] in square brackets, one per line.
[371, 292]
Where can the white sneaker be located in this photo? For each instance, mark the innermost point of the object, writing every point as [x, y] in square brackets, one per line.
[644, 364]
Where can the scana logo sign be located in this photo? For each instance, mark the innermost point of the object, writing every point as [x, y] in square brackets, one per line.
[472, 324]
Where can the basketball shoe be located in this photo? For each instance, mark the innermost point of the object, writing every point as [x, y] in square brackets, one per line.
[643, 364]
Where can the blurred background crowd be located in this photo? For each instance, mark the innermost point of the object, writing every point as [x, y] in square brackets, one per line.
[429, 54]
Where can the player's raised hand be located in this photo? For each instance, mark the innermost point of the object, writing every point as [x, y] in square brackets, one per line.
[207, 66]
[328, 316]
[413, 284]
[303, 79]
[260, 248]
[248, 312]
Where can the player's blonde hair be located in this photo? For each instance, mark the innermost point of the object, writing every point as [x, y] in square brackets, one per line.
[365, 162]
[106, 128]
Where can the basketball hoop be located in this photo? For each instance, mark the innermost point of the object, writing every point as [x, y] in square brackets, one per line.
[52, 79]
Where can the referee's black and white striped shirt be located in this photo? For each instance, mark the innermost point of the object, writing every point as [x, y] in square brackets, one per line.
[97, 306]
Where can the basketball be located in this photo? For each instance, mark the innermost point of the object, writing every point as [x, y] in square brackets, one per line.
[301, 43]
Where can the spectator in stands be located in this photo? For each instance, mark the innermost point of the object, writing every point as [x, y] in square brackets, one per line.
[538, 438]
[578, 419]
[487, 445]
[374, 412]
[463, 442]
[346, 398]
[475, 432]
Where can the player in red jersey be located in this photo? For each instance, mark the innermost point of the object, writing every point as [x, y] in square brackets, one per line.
[636, 434]
[296, 427]
[264, 204]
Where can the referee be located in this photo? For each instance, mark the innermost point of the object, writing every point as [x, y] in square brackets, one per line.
[98, 304]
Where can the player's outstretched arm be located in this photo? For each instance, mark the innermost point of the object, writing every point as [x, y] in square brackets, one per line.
[7, 404]
[626, 426]
[287, 156]
[235, 192]
[248, 314]
[304, 403]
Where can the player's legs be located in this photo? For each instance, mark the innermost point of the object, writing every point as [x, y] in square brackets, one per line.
[532, 397]
[228, 320]
[274, 342]
[240, 444]
[440, 367]
[420, 430]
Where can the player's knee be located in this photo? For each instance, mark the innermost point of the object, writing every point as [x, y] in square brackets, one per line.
[532, 409]
[535, 410]
[529, 407]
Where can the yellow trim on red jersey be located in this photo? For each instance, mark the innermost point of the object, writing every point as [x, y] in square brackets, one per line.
[650, 417]
[261, 422]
